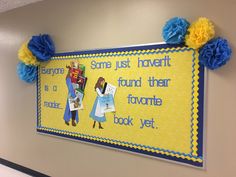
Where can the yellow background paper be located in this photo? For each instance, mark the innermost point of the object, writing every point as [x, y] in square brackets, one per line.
[175, 121]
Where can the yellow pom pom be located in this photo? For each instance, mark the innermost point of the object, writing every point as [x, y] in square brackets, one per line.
[26, 56]
[199, 33]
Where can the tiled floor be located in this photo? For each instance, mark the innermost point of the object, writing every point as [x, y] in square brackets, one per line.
[9, 172]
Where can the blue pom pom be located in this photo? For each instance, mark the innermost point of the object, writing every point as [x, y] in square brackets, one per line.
[174, 30]
[42, 47]
[27, 73]
[215, 53]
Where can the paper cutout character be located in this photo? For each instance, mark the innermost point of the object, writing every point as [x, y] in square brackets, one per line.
[71, 94]
[96, 114]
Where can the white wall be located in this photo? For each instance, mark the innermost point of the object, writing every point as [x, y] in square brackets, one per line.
[77, 25]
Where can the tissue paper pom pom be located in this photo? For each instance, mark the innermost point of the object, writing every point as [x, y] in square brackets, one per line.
[26, 56]
[175, 30]
[215, 53]
[42, 47]
[27, 73]
[199, 33]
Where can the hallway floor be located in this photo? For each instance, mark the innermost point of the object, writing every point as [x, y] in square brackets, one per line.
[9, 172]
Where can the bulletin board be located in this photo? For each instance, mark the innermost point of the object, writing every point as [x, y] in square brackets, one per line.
[145, 99]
